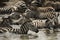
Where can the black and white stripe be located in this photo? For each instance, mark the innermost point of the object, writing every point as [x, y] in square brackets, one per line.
[47, 15]
[39, 23]
[7, 10]
[22, 30]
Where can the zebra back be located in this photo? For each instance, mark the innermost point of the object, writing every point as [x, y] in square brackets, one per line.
[48, 15]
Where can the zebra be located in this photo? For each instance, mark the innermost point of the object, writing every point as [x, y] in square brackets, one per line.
[23, 29]
[20, 6]
[40, 15]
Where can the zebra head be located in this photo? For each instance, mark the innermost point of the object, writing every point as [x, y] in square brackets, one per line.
[20, 6]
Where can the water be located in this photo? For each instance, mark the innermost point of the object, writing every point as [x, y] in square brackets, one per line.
[41, 35]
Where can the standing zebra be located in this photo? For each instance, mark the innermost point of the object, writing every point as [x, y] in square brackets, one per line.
[20, 6]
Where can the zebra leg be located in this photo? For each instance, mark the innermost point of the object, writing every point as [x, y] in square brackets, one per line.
[55, 24]
[3, 30]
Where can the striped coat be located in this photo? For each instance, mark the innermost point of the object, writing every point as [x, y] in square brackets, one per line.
[7, 10]
[48, 15]
[23, 29]
[20, 6]
[39, 23]
[45, 9]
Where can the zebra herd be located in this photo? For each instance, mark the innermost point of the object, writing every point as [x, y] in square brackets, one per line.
[27, 17]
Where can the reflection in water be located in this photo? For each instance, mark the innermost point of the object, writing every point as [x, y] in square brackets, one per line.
[42, 35]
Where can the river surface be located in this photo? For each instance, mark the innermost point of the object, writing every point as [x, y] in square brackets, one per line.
[41, 35]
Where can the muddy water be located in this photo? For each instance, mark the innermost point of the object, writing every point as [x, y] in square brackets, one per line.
[41, 35]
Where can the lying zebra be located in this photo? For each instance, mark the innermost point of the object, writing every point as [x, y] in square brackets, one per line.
[23, 29]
